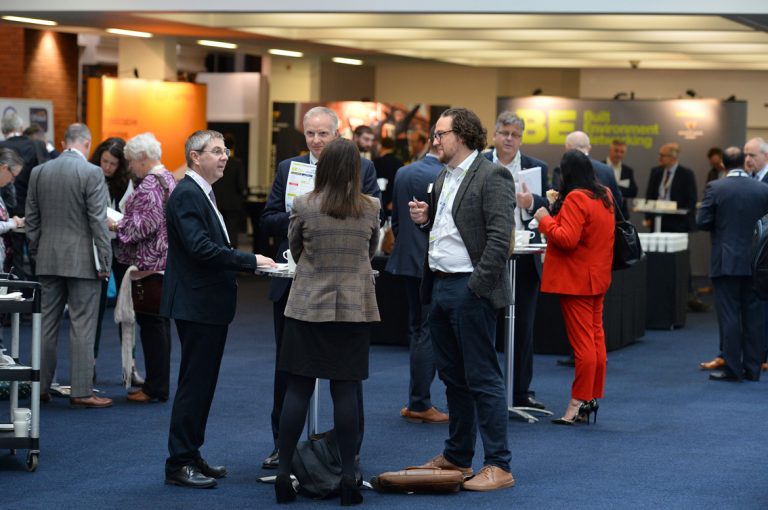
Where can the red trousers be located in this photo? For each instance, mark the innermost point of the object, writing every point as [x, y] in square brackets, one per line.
[583, 316]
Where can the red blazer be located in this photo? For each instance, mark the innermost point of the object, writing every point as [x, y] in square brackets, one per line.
[579, 247]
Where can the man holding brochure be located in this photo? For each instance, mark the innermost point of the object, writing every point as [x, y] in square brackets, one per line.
[295, 177]
[507, 139]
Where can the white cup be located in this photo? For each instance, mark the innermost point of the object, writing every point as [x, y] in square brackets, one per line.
[289, 257]
[22, 414]
[523, 237]
[21, 428]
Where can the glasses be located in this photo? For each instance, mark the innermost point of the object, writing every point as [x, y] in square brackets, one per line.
[439, 134]
[13, 171]
[218, 152]
[509, 134]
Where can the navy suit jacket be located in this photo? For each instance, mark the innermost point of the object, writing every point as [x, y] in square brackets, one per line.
[199, 284]
[604, 175]
[412, 180]
[730, 208]
[274, 219]
[682, 191]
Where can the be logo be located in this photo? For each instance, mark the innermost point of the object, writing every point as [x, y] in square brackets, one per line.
[547, 126]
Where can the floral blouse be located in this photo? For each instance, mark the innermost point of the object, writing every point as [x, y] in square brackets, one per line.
[142, 233]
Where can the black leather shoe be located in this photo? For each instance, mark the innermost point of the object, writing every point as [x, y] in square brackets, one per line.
[189, 476]
[529, 401]
[722, 376]
[567, 362]
[272, 461]
[211, 471]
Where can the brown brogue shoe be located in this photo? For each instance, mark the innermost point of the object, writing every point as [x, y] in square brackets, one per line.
[764, 366]
[713, 365]
[139, 397]
[489, 478]
[431, 415]
[90, 402]
[443, 463]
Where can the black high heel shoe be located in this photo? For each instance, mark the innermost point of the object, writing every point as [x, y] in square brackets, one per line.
[591, 407]
[284, 491]
[350, 492]
[582, 415]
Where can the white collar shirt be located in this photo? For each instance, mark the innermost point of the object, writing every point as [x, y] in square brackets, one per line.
[208, 190]
[515, 167]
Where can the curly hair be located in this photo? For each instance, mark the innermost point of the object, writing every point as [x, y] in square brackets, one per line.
[467, 126]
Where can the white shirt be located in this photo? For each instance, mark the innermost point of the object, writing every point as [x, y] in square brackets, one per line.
[515, 167]
[616, 168]
[447, 252]
[761, 174]
[664, 192]
[207, 189]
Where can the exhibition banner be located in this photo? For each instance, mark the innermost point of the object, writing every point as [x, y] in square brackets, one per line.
[31, 111]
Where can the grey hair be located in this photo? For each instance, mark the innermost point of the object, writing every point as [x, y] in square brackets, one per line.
[77, 133]
[762, 143]
[509, 118]
[145, 144]
[12, 122]
[198, 140]
[578, 140]
[10, 157]
[322, 110]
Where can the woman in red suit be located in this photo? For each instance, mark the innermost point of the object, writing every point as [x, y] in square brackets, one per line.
[578, 267]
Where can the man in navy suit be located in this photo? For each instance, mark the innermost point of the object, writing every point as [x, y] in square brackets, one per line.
[730, 208]
[672, 181]
[407, 261]
[756, 162]
[200, 293]
[321, 125]
[507, 139]
[624, 174]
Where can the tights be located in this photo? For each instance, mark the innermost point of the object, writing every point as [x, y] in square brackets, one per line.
[345, 420]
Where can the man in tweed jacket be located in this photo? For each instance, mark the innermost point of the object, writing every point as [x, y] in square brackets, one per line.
[67, 232]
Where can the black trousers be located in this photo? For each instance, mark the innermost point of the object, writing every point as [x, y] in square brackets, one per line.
[202, 347]
[155, 335]
[741, 318]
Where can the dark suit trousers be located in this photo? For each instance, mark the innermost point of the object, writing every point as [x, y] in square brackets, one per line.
[526, 298]
[155, 335]
[202, 346]
[422, 359]
[742, 323]
[281, 378]
[463, 329]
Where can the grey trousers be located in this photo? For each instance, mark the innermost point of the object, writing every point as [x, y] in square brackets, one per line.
[82, 296]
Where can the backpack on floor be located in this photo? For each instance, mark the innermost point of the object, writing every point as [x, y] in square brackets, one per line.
[317, 466]
[760, 258]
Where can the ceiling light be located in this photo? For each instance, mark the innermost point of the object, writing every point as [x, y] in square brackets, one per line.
[217, 44]
[285, 53]
[130, 33]
[348, 61]
[30, 20]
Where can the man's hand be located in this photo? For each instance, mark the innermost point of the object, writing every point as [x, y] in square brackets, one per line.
[540, 213]
[261, 260]
[524, 198]
[419, 211]
[103, 276]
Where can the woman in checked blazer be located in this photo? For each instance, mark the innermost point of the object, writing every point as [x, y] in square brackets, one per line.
[333, 235]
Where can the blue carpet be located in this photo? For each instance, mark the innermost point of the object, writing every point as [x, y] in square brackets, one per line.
[666, 437]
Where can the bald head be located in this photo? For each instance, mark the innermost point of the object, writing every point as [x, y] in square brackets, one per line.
[668, 154]
[579, 141]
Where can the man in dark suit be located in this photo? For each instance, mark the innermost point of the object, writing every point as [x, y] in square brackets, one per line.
[471, 230]
[756, 162]
[407, 261]
[200, 294]
[387, 165]
[321, 125]
[34, 153]
[672, 181]
[730, 208]
[623, 173]
[507, 139]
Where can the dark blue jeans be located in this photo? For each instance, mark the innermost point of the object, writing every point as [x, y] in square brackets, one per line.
[422, 359]
[463, 328]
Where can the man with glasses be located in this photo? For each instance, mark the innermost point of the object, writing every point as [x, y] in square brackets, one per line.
[321, 125]
[672, 181]
[470, 226]
[507, 139]
[200, 294]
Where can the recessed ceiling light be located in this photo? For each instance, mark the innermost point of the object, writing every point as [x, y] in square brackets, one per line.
[348, 61]
[285, 53]
[30, 20]
[130, 33]
[217, 44]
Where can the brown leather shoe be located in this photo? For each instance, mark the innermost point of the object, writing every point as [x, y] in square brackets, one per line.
[431, 415]
[764, 366]
[713, 365]
[489, 478]
[92, 401]
[139, 397]
[443, 463]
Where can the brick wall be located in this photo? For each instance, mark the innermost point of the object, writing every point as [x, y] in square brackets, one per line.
[11, 61]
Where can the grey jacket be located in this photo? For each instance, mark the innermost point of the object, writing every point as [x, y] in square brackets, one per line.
[66, 215]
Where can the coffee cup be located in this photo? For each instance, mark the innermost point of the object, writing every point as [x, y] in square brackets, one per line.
[523, 237]
[289, 257]
[21, 428]
[22, 414]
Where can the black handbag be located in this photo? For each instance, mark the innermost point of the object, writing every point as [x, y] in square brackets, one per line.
[317, 466]
[627, 250]
[146, 293]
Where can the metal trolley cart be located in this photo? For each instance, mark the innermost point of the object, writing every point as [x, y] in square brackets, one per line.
[16, 373]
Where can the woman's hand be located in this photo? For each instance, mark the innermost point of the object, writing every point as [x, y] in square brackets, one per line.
[111, 224]
[261, 260]
[540, 213]
[19, 221]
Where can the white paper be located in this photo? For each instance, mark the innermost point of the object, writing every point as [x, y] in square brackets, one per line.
[532, 178]
[624, 183]
[301, 180]
[114, 214]
[96, 261]
[128, 191]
